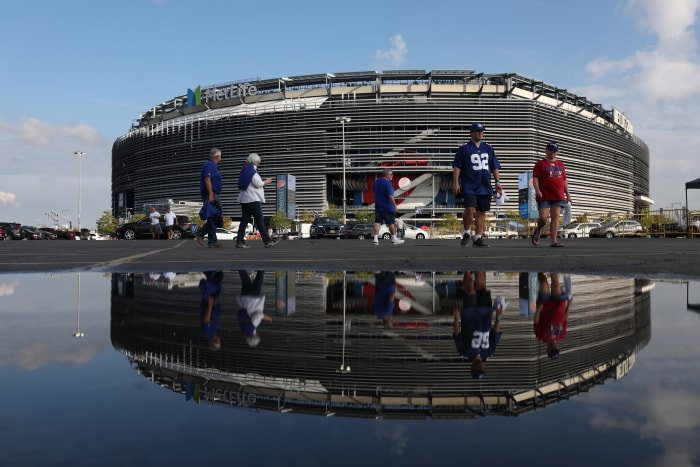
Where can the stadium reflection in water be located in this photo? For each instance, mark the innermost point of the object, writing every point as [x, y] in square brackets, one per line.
[379, 344]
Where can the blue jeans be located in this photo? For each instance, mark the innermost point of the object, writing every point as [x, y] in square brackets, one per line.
[209, 229]
[253, 210]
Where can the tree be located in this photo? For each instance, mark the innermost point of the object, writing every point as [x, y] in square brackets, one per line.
[333, 211]
[450, 223]
[107, 223]
[363, 216]
[306, 216]
[280, 221]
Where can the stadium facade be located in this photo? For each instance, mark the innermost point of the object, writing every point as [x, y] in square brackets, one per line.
[335, 132]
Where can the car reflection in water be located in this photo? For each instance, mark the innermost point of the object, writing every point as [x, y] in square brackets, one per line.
[405, 368]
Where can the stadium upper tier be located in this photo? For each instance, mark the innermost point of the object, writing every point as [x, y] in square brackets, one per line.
[329, 128]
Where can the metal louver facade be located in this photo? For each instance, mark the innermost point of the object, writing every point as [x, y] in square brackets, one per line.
[411, 120]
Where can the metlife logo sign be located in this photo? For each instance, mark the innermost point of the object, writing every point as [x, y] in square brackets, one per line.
[214, 94]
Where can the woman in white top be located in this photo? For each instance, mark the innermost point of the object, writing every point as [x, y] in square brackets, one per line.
[252, 197]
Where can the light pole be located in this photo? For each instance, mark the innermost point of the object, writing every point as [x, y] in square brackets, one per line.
[343, 121]
[78, 333]
[79, 154]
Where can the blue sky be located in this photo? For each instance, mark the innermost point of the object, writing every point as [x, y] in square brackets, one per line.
[77, 72]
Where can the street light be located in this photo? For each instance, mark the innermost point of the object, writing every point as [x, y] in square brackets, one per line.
[343, 121]
[78, 333]
[79, 154]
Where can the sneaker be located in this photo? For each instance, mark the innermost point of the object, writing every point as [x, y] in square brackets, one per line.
[479, 242]
[375, 242]
[465, 240]
[397, 241]
[271, 243]
[200, 240]
[242, 245]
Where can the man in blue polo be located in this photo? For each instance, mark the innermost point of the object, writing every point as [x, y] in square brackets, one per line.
[210, 187]
[473, 165]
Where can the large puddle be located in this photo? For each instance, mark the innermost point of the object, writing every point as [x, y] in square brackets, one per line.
[308, 368]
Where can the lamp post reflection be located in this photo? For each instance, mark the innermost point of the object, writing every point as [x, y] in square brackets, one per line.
[343, 367]
[78, 333]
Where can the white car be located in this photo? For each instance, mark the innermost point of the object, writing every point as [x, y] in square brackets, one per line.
[410, 231]
[223, 234]
[579, 229]
[500, 232]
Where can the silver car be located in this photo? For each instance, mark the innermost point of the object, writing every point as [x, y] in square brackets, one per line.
[623, 228]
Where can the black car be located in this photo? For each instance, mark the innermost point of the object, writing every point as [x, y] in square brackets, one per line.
[13, 230]
[327, 227]
[142, 229]
[360, 231]
[32, 233]
[61, 234]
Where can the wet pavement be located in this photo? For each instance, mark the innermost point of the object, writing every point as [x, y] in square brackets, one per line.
[639, 257]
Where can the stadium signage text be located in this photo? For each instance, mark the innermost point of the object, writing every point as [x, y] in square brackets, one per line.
[229, 92]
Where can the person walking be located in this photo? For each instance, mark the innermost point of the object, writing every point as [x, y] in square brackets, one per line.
[473, 165]
[251, 306]
[170, 221]
[475, 332]
[155, 223]
[385, 206]
[551, 192]
[252, 197]
[210, 186]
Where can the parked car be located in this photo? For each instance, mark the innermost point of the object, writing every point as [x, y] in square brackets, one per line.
[622, 228]
[61, 234]
[32, 233]
[327, 227]
[223, 234]
[360, 231]
[580, 229]
[3, 233]
[13, 230]
[409, 231]
[500, 232]
[99, 236]
[142, 229]
[48, 235]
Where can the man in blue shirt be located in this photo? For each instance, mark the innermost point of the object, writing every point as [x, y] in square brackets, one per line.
[473, 165]
[210, 187]
[385, 206]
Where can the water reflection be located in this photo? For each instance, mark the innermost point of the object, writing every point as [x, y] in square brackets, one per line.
[381, 344]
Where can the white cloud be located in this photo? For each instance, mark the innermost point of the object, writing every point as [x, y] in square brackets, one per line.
[8, 198]
[395, 56]
[656, 87]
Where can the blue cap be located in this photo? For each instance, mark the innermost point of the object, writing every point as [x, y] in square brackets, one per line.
[476, 127]
[552, 146]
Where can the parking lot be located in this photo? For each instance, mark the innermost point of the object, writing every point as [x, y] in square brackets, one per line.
[638, 257]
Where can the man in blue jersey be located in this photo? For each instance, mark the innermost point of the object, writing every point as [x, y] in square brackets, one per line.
[472, 167]
[474, 334]
[385, 206]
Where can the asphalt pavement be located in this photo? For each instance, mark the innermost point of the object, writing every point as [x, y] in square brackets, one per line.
[638, 257]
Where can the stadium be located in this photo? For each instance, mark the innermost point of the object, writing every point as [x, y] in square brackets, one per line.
[334, 132]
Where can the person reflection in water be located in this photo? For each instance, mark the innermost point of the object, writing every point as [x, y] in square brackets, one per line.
[384, 293]
[251, 303]
[474, 335]
[552, 311]
[210, 307]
